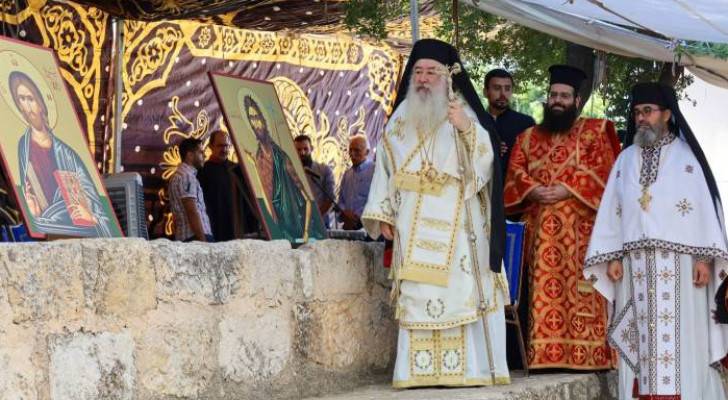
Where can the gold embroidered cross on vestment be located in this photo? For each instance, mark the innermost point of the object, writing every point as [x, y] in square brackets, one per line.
[645, 199]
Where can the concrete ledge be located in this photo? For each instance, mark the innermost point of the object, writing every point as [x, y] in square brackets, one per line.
[131, 319]
[585, 386]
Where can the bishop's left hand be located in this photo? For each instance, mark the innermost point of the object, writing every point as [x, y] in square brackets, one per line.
[457, 117]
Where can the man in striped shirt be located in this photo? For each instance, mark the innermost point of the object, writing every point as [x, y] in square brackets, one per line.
[185, 195]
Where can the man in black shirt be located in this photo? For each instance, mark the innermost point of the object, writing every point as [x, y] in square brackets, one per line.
[509, 123]
[226, 193]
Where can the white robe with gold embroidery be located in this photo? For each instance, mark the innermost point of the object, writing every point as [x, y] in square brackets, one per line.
[441, 340]
[662, 328]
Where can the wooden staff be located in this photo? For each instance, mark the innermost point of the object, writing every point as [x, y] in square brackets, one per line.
[483, 304]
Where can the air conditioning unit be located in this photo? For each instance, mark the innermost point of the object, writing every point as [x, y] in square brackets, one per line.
[126, 193]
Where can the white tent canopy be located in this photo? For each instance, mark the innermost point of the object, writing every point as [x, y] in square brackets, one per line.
[603, 25]
[700, 20]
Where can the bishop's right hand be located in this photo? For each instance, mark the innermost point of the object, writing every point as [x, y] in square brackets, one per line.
[457, 116]
[387, 230]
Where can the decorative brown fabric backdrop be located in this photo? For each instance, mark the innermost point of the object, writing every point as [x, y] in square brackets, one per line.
[331, 86]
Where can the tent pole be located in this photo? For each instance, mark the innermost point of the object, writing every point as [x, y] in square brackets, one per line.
[108, 117]
[415, 20]
[456, 23]
[119, 87]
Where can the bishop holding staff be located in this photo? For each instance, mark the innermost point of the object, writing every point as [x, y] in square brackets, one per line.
[658, 252]
[436, 192]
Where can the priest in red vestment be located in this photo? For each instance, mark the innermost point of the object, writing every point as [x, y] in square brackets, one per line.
[556, 176]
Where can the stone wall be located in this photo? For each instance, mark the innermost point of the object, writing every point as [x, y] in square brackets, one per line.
[132, 319]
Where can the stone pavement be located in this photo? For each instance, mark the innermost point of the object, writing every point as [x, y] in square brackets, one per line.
[578, 386]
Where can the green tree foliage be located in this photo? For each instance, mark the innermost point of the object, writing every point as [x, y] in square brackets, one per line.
[716, 50]
[369, 17]
[622, 73]
[486, 41]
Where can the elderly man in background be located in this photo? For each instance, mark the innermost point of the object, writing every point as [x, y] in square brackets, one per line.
[226, 193]
[355, 183]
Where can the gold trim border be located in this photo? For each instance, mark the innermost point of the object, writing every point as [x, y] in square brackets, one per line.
[451, 381]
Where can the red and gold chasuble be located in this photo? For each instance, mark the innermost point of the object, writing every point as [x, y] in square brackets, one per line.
[567, 317]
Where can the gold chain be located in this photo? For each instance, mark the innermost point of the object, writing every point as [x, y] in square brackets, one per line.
[427, 150]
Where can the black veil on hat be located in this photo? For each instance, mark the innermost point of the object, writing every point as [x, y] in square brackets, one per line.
[447, 55]
[665, 97]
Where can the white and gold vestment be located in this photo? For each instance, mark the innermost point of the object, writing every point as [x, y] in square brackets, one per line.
[419, 188]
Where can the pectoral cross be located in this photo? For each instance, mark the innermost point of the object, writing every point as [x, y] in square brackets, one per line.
[428, 172]
[645, 199]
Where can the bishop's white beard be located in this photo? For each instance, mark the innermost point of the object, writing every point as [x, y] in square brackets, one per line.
[426, 110]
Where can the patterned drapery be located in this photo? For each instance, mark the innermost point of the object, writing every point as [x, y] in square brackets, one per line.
[330, 86]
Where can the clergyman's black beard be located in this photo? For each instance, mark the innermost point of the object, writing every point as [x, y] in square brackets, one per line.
[556, 122]
[307, 161]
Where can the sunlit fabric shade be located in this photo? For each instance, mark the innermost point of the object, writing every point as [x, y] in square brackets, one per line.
[615, 26]
[700, 20]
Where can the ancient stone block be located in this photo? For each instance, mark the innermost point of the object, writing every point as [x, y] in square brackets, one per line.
[346, 333]
[177, 350]
[334, 268]
[255, 348]
[213, 273]
[126, 283]
[92, 366]
[194, 272]
[18, 376]
[269, 269]
[43, 282]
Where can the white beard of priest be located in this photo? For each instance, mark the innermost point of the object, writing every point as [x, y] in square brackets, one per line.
[658, 253]
[437, 193]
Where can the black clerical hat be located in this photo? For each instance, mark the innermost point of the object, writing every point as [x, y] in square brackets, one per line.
[650, 93]
[436, 50]
[567, 75]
